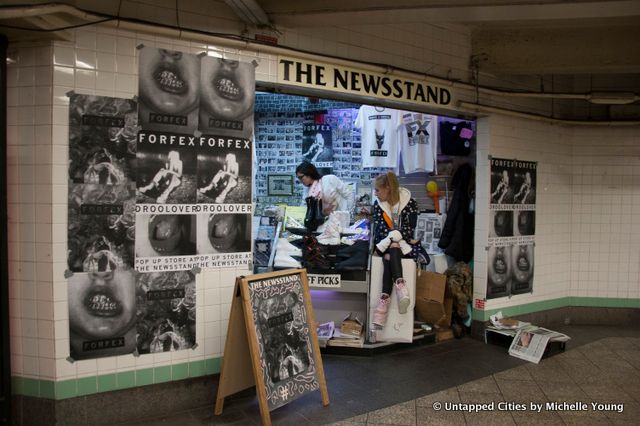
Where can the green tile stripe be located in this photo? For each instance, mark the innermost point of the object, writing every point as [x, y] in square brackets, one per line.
[600, 302]
[64, 389]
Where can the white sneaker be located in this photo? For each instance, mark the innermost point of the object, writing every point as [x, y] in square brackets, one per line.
[285, 247]
[381, 311]
[284, 260]
[402, 293]
[331, 233]
[293, 223]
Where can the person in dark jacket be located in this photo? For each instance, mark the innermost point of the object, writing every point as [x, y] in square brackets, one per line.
[395, 215]
[457, 234]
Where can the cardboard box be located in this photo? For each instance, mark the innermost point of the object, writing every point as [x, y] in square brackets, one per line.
[351, 326]
[434, 304]
[430, 286]
[444, 333]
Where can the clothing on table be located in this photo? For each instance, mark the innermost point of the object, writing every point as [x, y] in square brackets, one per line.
[418, 136]
[379, 137]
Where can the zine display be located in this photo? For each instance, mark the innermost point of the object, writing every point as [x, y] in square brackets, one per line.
[512, 227]
[194, 161]
[379, 127]
[418, 142]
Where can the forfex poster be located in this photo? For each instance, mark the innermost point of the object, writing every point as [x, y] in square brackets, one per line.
[166, 311]
[194, 161]
[511, 228]
[102, 173]
[317, 146]
[101, 226]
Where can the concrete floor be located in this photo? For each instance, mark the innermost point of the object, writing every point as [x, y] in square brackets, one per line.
[600, 365]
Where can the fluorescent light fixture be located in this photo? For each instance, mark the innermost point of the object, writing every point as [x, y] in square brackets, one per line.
[613, 98]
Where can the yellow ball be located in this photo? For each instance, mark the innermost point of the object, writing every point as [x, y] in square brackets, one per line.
[432, 186]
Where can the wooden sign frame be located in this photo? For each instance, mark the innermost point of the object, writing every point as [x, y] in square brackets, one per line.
[272, 342]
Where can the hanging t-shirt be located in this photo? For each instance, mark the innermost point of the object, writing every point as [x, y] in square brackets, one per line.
[418, 136]
[379, 136]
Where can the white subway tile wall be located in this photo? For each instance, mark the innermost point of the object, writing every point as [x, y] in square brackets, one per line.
[605, 203]
[551, 146]
[103, 61]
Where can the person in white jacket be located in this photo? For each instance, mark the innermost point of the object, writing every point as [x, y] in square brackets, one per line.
[334, 193]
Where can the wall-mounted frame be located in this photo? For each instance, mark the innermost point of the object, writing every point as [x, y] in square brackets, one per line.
[280, 185]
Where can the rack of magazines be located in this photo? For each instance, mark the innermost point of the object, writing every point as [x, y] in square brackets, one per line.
[529, 342]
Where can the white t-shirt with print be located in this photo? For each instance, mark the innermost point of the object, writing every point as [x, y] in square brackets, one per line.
[379, 135]
[418, 135]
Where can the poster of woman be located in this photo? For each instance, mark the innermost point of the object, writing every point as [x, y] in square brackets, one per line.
[512, 213]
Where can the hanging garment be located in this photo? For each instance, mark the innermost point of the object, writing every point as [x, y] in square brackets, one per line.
[457, 234]
[379, 137]
[456, 137]
[418, 135]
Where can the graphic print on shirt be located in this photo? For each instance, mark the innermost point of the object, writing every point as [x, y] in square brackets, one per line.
[417, 132]
[418, 135]
[379, 135]
[379, 139]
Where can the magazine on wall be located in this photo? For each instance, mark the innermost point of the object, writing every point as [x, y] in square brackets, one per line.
[530, 342]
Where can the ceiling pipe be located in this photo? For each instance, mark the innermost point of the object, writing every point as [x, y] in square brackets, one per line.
[475, 109]
[609, 98]
[249, 11]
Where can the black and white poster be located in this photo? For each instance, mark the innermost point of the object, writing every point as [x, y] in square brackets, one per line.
[194, 156]
[166, 311]
[102, 313]
[227, 97]
[225, 178]
[101, 225]
[511, 227]
[102, 173]
[317, 146]
[168, 90]
[284, 340]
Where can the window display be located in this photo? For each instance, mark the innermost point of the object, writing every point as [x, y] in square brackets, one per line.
[321, 143]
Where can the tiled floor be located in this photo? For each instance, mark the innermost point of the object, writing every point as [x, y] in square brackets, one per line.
[406, 387]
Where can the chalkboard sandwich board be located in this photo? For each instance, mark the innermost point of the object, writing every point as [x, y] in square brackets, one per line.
[272, 334]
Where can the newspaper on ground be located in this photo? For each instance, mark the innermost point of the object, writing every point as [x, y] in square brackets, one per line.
[531, 342]
[498, 322]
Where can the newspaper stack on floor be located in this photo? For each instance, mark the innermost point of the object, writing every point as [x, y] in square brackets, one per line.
[325, 332]
[530, 342]
[506, 326]
[346, 340]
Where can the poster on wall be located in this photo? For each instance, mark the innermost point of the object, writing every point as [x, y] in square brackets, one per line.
[317, 146]
[101, 226]
[512, 212]
[166, 311]
[102, 173]
[194, 153]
